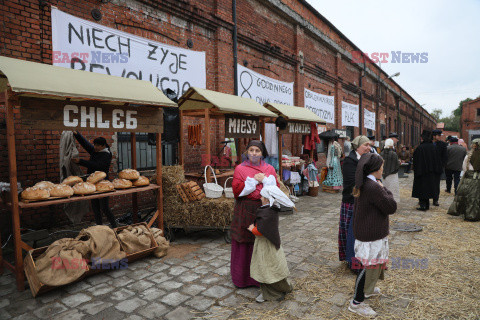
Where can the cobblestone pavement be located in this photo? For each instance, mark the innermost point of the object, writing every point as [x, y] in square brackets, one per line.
[193, 281]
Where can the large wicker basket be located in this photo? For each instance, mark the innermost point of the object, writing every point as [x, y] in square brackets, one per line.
[212, 190]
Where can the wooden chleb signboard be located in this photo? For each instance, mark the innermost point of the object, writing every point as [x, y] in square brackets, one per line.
[43, 114]
[297, 128]
[237, 126]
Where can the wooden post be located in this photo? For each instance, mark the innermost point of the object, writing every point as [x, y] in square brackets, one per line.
[207, 139]
[133, 149]
[262, 129]
[181, 144]
[159, 182]
[280, 151]
[12, 165]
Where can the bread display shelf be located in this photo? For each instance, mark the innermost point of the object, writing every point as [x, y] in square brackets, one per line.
[40, 200]
[75, 198]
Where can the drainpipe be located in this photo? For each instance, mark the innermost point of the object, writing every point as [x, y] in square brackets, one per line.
[360, 111]
[235, 57]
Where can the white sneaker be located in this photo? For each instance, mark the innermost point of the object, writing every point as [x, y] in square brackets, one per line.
[362, 309]
[260, 299]
[376, 292]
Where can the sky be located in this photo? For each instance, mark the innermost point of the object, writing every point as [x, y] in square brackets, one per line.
[448, 31]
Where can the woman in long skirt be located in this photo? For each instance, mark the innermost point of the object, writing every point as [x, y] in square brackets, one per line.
[248, 181]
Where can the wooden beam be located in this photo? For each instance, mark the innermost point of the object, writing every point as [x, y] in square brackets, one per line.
[133, 148]
[12, 166]
[280, 151]
[181, 145]
[159, 217]
[207, 138]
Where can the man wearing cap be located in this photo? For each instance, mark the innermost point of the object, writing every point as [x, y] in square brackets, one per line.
[441, 147]
[427, 169]
[394, 137]
[373, 149]
[455, 156]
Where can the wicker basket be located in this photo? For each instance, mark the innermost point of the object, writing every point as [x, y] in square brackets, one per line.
[228, 191]
[212, 190]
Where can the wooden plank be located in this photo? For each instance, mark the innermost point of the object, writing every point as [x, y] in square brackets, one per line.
[182, 193]
[191, 196]
[158, 155]
[88, 197]
[45, 114]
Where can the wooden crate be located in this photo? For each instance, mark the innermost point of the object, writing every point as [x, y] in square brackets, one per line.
[182, 193]
[329, 189]
[36, 286]
[140, 254]
[193, 191]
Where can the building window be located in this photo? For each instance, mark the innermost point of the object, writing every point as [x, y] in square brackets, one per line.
[478, 114]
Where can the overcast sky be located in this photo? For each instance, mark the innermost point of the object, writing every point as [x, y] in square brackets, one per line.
[449, 31]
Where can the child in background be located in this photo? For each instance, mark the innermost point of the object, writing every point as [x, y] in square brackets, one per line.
[373, 205]
[268, 265]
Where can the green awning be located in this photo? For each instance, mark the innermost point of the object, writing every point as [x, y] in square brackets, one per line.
[294, 113]
[47, 81]
[198, 99]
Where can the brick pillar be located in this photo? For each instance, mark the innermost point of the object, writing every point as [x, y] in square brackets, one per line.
[338, 92]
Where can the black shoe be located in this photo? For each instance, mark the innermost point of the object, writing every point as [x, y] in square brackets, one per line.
[435, 203]
[422, 209]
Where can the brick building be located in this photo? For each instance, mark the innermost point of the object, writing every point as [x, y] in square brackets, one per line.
[470, 120]
[283, 39]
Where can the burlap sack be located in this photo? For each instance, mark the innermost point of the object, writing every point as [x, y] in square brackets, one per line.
[135, 238]
[163, 244]
[102, 243]
[62, 263]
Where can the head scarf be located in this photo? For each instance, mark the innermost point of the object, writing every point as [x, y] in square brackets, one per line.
[368, 163]
[358, 141]
[260, 145]
[475, 159]
[389, 143]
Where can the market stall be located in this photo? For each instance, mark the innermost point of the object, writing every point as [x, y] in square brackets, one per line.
[300, 121]
[56, 98]
[244, 118]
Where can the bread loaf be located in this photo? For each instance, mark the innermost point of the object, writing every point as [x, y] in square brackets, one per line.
[140, 182]
[83, 188]
[104, 186]
[61, 190]
[35, 193]
[97, 176]
[44, 185]
[72, 180]
[122, 183]
[129, 174]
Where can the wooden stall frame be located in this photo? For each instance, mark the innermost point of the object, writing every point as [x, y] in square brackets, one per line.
[11, 99]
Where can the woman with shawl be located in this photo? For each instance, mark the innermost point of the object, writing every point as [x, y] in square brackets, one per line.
[467, 200]
[390, 170]
[248, 180]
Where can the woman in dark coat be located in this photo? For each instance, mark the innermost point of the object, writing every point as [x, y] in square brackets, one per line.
[427, 166]
[360, 146]
[100, 160]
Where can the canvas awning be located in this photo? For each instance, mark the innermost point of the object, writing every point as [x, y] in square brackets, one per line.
[294, 113]
[47, 81]
[197, 99]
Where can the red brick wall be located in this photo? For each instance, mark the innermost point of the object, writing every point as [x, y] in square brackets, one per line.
[270, 42]
[469, 119]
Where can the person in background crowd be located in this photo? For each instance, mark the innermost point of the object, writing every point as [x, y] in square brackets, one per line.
[394, 137]
[382, 143]
[373, 205]
[347, 146]
[360, 146]
[248, 180]
[100, 160]
[463, 144]
[390, 169]
[373, 149]
[442, 153]
[405, 157]
[427, 168]
[467, 201]
[455, 157]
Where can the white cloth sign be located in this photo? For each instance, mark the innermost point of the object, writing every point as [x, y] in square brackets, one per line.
[263, 89]
[349, 114]
[322, 105]
[369, 119]
[85, 45]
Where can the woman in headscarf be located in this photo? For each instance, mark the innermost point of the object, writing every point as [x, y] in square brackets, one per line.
[467, 200]
[373, 205]
[360, 146]
[248, 180]
[390, 169]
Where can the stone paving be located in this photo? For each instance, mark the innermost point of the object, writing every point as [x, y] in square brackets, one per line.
[193, 281]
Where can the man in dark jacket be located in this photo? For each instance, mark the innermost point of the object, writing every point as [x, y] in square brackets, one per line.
[442, 154]
[100, 160]
[427, 168]
[455, 156]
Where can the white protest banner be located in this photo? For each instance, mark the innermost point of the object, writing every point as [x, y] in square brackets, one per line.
[369, 119]
[85, 45]
[263, 89]
[349, 114]
[322, 105]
